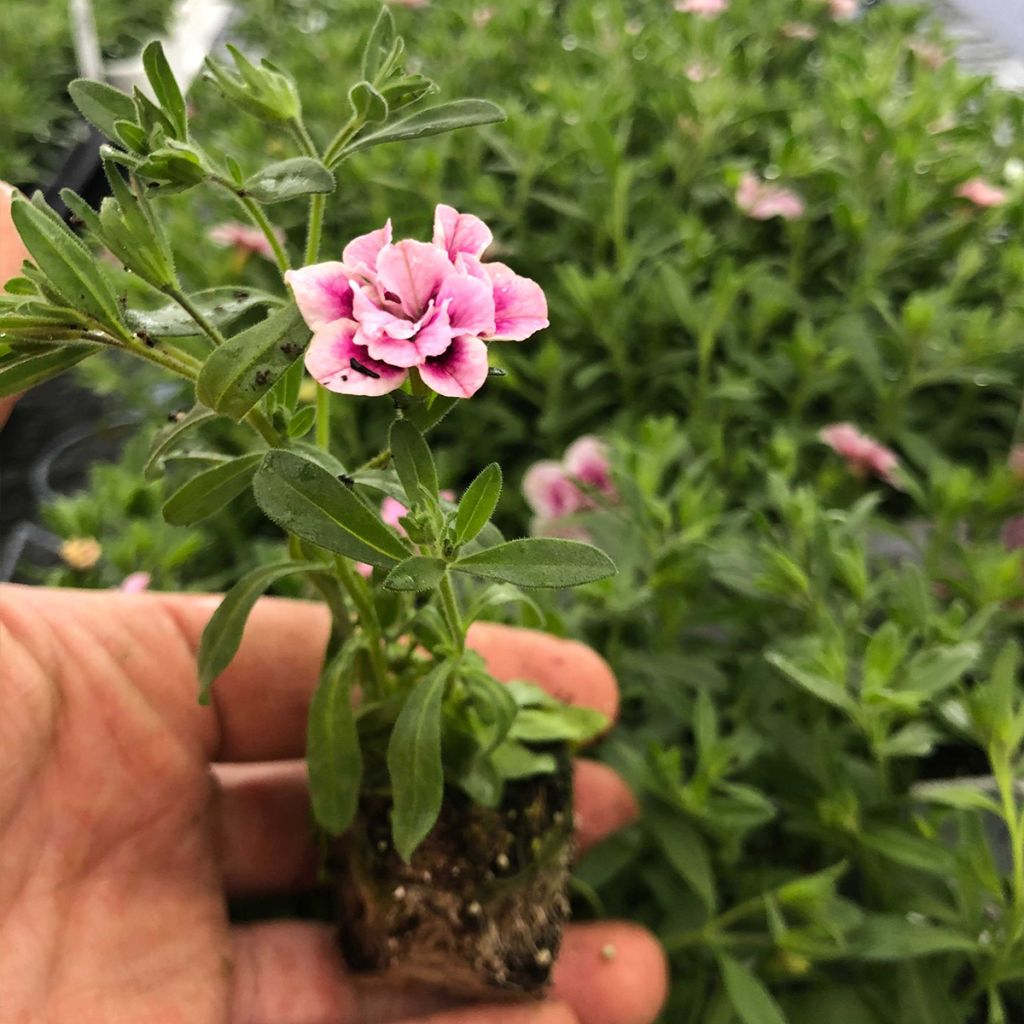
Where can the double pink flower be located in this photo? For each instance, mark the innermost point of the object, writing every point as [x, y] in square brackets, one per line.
[863, 454]
[388, 308]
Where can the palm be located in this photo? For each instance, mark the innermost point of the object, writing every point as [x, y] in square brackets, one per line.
[119, 842]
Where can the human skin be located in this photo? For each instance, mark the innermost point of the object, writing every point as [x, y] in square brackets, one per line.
[129, 813]
[12, 252]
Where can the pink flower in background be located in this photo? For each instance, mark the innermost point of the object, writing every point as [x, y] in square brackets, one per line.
[391, 512]
[843, 10]
[864, 455]
[702, 8]
[1012, 533]
[387, 308]
[1015, 462]
[243, 238]
[697, 72]
[981, 193]
[799, 30]
[932, 55]
[135, 583]
[553, 489]
[761, 201]
[482, 16]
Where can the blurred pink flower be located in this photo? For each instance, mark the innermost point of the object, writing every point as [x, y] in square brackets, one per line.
[843, 10]
[799, 30]
[135, 583]
[388, 308]
[1012, 533]
[864, 455]
[586, 460]
[391, 512]
[1015, 462]
[696, 72]
[981, 193]
[761, 201]
[932, 55]
[244, 238]
[702, 8]
[482, 16]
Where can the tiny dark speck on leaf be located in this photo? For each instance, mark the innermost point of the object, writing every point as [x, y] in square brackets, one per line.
[262, 377]
[240, 294]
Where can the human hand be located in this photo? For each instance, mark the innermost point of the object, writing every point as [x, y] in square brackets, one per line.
[128, 813]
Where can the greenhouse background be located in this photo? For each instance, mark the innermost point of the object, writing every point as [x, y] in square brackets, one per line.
[780, 242]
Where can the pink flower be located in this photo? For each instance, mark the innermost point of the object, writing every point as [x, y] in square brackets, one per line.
[1012, 533]
[799, 30]
[482, 16]
[387, 308]
[864, 455]
[244, 238]
[553, 489]
[932, 55]
[702, 8]
[135, 583]
[981, 193]
[762, 201]
[586, 460]
[696, 72]
[1015, 462]
[843, 10]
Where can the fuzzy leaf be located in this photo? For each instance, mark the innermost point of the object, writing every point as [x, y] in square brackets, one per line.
[750, 999]
[20, 371]
[289, 179]
[221, 306]
[239, 373]
[367, 104]
[414, 763]
[557, 722]
[478, 503]
[378, 44]
[539, 562]
[304, 499]
[333, 755]
[413, 463]
[223, 632]
[168, 436]
[416, 574]
[165, 87]
[211, 490]
[101, 105]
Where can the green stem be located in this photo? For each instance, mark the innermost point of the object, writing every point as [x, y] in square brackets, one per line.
[337, 144]
[303, 138]
[197, 315]
[260, 219]
[357, 591]
[323, 418]
[1003, 772]
[317, 205]
[180, 363]
[257, 419]
[450, 604]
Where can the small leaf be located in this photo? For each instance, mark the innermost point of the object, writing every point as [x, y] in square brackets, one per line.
[498, 594]
[223, 632]
[211, 490]
[165, 87]
[333, 755]
[221, 306]
[304, 499]
[932, 671]
[168, 436]
[416, 574]
[891, 937]
[289, 179]
[426, 415]
[367, 104]
[750, 999]
[445, 117]
[539, 562]
[824, 689]
[685, 850]
[962, 797]
[414, 763]
[557, 722]
[378, 44]
[413, 463]
[478, 503]
[302, 422]
[19, 371]
[239, 373]
[101, 105]
[910, 850]
[514, 760]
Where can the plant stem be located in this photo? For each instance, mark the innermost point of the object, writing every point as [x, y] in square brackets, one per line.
[257, 419]
[356, 588]
[1003, 772]
[337, 144]
[180, 363]
[197, 315]
[316, 220]
[260, 219]
[453, 616]
[323, 418]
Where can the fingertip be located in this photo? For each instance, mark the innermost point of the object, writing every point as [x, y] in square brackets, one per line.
[538, 1013]
[604, 803]
[567, 669]
[612, 973]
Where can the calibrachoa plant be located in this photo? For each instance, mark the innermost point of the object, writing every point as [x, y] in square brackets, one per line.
[418, 758]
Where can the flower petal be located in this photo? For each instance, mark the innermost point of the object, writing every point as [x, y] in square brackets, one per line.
[413, 271]
[322, 292]
[362, 252]
[460, 232]
[549, 491]
[470, 304]
[460, 371]
[329, 360]
[520, 308]
[374, 320]
[586, 459]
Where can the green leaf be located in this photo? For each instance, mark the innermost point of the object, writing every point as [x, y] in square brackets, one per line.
[445, 117]
[891, 937]
[514, 760]
[333, 755]
[223, 632]
[302, 422]
[478, 503]
[498, 594]
[239, 373]
[211, 490]
[539, 562]
[221, 306]
[427, 414]
[414, 763]
[165, 87]
[910, 850]
[168, 436]
[960, 796]
[19, 372]
[289, 179]
[557, 722]
[750, 999]
[418, 573]
[824, 689]
[68, 265]
[101, 104]
[304, 499]
[413, 463]
[685, 850]
[367, 104]
[378, 44]
[932, 671]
